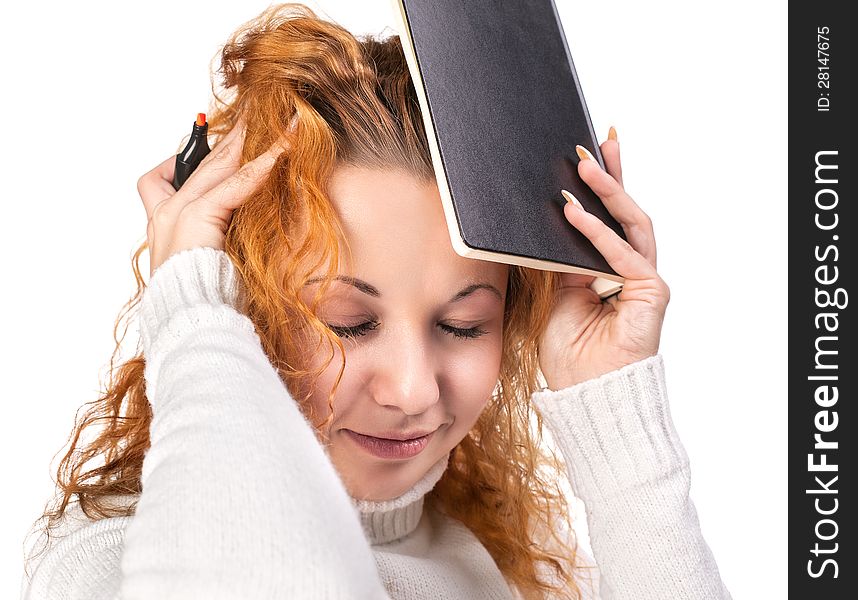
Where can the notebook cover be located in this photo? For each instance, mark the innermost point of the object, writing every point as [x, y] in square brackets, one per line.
[505, 110]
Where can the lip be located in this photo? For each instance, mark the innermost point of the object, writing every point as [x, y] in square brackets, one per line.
[399, 437]
[390, 448]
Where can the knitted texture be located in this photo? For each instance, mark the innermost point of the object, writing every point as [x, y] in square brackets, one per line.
[384, 521]
[240, 500]
[629, 467]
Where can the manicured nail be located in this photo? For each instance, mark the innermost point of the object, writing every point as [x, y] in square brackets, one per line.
[583, 153]
[570, 198]
[612, 133]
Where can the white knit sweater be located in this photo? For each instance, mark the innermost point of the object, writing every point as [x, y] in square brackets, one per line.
[241, 501]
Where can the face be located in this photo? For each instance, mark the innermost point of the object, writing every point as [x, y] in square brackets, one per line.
[421, 327]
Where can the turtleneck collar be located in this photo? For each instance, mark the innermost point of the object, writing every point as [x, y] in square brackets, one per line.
[385, 521]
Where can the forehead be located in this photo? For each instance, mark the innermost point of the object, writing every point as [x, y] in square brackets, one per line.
[395, 227]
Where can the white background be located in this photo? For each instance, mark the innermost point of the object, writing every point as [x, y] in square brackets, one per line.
[95, 94]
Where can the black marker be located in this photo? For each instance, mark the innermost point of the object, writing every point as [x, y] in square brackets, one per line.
[196, 150]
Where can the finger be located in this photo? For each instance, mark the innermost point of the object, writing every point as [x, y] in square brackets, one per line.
[222, 162]
[615, 198]
[635, 222]
[154, 186]
[157, 185]
[611, 153]
[621, 256]
[568, 280]
[231, 192]
[235, 134]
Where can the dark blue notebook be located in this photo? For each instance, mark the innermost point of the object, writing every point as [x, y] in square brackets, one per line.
[503, 111]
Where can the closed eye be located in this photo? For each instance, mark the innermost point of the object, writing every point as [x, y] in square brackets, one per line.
[353, 331]
[473, 332]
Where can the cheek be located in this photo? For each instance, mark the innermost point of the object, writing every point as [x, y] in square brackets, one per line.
[470, 378]
[474, 365]
[321, 390]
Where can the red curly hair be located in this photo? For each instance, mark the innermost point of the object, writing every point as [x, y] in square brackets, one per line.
[354, 103]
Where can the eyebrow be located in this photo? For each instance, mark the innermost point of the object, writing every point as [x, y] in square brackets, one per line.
[371, 290]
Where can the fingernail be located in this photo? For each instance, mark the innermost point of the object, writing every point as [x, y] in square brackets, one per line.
[584, 154]
[612, 133]
[570, 198]
[280, 145]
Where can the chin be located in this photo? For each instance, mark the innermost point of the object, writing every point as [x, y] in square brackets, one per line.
[374, 479]
[379, 491]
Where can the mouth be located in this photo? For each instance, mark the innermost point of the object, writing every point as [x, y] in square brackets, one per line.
[390, 448]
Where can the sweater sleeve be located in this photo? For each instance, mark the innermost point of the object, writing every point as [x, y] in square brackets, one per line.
[239, 498]
[627, 464]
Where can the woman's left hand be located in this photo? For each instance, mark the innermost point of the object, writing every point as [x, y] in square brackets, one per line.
[587, 337]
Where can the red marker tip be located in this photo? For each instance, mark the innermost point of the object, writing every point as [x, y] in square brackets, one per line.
[201, 119]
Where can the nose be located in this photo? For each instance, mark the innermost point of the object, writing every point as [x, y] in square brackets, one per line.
[406, 377]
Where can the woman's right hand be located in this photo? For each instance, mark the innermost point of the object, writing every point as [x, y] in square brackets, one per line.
[198, 214]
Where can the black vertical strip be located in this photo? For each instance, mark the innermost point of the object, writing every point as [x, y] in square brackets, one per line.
[823, 341]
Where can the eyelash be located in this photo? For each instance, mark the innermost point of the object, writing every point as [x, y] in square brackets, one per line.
[363, 328]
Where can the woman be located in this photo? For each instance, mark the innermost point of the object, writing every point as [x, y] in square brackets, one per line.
[330, 403]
